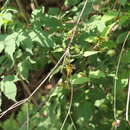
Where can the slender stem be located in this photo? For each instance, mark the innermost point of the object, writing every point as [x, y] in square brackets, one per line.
[26, 87]
[50, 73]
[5, 4]
[128, 101]
[69, 110]
[36, 3]
[22, 10]
[116, 76]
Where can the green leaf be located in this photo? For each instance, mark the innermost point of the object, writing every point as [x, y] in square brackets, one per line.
[42, 38]
[89, 53]
[71, 2]
[53, 11]
[23, 68]
[1, 70]
[7, 17]
[10, 44]
[13, 78]
[2, 39]
[10, 124]
[126, 57]
[123, 2]
[99, 102]
[101, 26]
[79, 79]
[1, 47]
[122, 37]
[9, 89]
[108, 16]
[96, 74]
[0, 101]
[83, 112]
[27, 44]
[123, 20]
[51, 22]
[21, 37]
[10, 47]
[91, 39]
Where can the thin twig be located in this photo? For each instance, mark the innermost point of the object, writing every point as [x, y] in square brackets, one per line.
[72, 92]
[69, 110]
[116, 76]
[29, 92]
[5, 4]
[22, 10]
[40, 106]
[36, 3]
[50, 73]
[128, 101]
[27, 116]
[72, 122]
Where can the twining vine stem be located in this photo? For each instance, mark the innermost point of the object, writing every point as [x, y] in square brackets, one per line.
[128, 101]
[72, 89]
[53, 69]
[116, 76]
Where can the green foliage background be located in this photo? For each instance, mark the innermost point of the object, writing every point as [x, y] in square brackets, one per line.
[94, 53]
